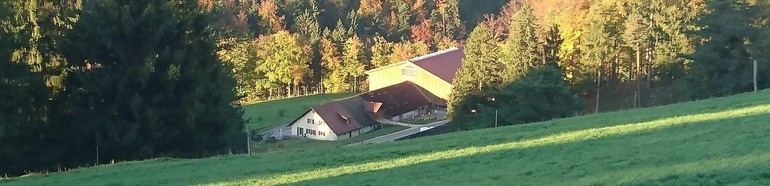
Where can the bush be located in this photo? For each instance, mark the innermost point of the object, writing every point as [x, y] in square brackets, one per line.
[540, 95]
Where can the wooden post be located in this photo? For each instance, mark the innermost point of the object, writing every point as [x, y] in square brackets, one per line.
[495, 118]
[248, 140]
[755, 75]
[636, 97]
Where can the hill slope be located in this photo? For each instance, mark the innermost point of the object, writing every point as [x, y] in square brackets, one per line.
[266, 115]
[711, 142]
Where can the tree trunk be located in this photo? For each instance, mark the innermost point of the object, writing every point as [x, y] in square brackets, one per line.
[598, 85]
[638, 98]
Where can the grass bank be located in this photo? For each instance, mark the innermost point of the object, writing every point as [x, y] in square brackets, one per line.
[711, 142]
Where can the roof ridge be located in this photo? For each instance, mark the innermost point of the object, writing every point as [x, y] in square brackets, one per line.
[419, 89]
[434, 54]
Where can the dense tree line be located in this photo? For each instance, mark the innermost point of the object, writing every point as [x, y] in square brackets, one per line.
[339, 40]
[137, 79]
[698, 49]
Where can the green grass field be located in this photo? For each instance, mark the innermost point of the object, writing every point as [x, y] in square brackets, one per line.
[712, 142]
[269, 111]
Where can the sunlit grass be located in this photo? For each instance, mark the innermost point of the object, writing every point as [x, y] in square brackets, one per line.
[549, 140]
[662, 172]
[712, 142]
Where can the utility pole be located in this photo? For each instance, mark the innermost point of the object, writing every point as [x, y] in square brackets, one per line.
[495, 118]
[97, 154]
[755, 75]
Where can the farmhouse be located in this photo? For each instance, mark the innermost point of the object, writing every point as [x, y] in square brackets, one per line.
[335, 120]
[433, 72]
[397, 92]
[345, 118]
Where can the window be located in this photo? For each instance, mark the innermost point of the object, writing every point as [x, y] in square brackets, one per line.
[300, 131]
[322, 133]
[310, 121]
[307, 131]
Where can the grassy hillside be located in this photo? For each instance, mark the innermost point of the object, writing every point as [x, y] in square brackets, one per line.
[270, 111]
[711, 142]
[300, 145]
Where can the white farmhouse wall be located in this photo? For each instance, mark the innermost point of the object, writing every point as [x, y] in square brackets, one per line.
[319, 125]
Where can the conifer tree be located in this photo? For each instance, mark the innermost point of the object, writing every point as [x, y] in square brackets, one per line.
[551, 47]
[23, 99]
[403, 13]
[446, 21]
[307, 26]
[145, 82]
[734, 37]
[520, 50]
[478, 71]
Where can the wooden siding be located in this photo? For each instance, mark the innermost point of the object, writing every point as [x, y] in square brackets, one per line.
[408, 71]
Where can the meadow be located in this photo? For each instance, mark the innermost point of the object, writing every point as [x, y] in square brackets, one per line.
[710, 142]
[265, 115]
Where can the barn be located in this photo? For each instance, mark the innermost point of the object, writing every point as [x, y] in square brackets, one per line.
[433, 72]
[397, 92]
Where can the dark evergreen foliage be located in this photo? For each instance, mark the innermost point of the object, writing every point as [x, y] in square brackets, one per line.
[540, 95]
[145, 82]
[734, 37]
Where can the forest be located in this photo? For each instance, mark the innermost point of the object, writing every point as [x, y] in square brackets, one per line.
[84, 82]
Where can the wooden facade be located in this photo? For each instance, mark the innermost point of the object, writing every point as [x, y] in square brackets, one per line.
[443, 63]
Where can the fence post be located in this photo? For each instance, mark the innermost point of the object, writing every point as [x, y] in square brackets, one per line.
[755, 75]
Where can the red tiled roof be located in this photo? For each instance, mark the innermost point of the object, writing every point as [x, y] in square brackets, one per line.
[399, 98]
[343, 116]
[443, 64]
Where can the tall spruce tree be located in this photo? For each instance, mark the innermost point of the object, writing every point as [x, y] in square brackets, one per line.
[446, 21]
[520, 50]
[477, 74]
[551, 47]
[23, 98]
[145, 82]
[734, 37]
[403, 17]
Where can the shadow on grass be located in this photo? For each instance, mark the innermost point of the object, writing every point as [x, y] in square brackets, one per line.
[573, 137]
[647, 157]
[718, 170]
[443, 151]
